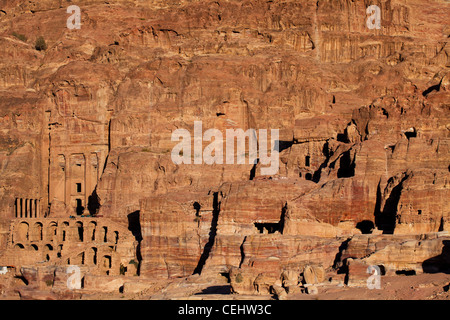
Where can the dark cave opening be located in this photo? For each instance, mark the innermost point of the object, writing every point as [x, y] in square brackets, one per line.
[269, 227]
[134, 225]
[79, 207]
[366, 226]
[346, 166]
[386, 219]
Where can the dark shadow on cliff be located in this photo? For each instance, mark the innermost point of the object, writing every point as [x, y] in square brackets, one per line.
[338, 263]
[317, 174]
[212, 235]
[93, 203]
[283, 145]
[386, 220]
[435, 87]
[225, 289]
[440, 263]
[253, 170]
[134, 225]
[366, 226]
[346, 165]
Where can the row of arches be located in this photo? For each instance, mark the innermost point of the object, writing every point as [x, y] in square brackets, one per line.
[46, 250]
[77, 231]
[91, 256]
[34, 247]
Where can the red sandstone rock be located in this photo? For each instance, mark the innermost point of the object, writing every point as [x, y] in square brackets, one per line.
[86, 131]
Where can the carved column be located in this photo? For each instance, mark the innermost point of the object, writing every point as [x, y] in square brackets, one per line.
[67, 180]
[87, 180]
[26, 208]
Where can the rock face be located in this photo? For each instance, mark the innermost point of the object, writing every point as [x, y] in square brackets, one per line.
[86, 142]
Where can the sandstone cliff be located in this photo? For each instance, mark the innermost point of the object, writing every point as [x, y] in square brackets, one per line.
[86, 124]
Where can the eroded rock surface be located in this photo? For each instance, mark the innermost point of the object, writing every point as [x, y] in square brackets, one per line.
[87, 177]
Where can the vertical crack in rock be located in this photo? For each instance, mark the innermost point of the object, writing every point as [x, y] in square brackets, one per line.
[49, 161]
[253, 170]
[377, 209]
[109, 136]
[212, 235]
[283, 218]
[241, 247]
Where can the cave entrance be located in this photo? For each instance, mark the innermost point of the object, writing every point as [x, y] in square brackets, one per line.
[267, 227]
[79, 207]
[366, 226]
[80, 230]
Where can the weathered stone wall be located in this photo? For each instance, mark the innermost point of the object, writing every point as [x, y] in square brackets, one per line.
[85, 129]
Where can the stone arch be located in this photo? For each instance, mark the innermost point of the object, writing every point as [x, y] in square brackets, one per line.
[59, 251]
[107, 263]
[80, 231]
[79, 259]
[104, 234]
[92, 227]
[92, 256]
[52, 229]
[36, 232]
[22, 231]
[34, 247]
[19, 246]
[64, 231]
[47, 249]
